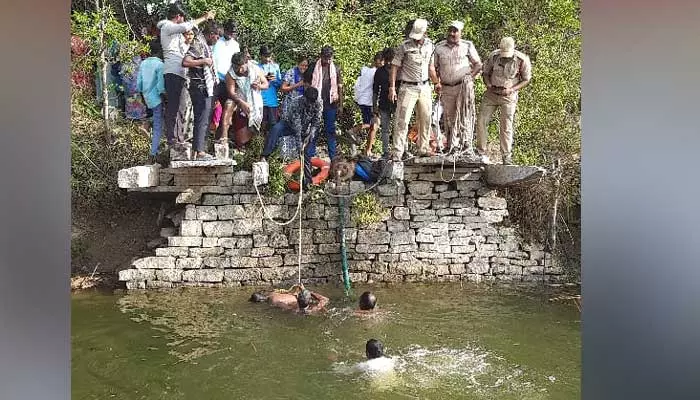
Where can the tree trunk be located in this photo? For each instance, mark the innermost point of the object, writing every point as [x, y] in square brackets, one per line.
[104, 71]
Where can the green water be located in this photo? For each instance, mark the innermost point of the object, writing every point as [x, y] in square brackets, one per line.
[450, 342]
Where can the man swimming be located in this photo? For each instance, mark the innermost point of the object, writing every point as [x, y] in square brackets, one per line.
[376, 362]
[298, 299]
[367, 303]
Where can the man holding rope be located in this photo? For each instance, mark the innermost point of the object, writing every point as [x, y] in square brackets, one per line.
[457, 63]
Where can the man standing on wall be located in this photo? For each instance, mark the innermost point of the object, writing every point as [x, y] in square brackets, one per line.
[380, 99]
[203, 79]
[328, 81]
[174, 49]
[244, 82]
[223, 50]
[274, 77]
[457, 63]
[415, 57]
[506, 71]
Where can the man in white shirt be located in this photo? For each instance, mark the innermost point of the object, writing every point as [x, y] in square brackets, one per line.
[364, 99]
[174, 74]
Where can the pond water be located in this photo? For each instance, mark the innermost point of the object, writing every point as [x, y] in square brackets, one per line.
[447, 342]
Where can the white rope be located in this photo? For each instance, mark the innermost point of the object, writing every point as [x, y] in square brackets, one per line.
[301, 197]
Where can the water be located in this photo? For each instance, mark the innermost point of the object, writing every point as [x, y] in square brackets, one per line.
[447, 342]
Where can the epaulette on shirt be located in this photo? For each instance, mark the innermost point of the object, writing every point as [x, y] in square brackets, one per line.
[517, 53]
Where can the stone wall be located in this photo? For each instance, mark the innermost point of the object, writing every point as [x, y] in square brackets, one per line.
[434, 231]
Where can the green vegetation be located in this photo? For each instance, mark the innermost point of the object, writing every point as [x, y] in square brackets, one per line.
[367, 209]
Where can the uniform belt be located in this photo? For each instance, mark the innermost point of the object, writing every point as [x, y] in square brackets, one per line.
[414, 83]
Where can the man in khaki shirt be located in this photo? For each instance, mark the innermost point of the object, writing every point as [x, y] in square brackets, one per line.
[415, 58]
[506, 71]
[457, 63]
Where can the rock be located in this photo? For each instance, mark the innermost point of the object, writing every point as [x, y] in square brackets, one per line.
[420, 188]
[513, 175]
[139, 177]
[242, 178]
[182, 241]
[169, 275]
[242, 275]
[399, 238]
[207, 213]
[218, 228]
[206, 252]
[210, 242]
[230, 212]
[373, 237]
[217, 262]
[172, 252]
[132, 274]
[203, 275]
[402, 213]
[271, 262]
[492, 203]
[216, 199]
[245, 227]
[154, 263]
[189, 196]
[202, 164]
[191, 228]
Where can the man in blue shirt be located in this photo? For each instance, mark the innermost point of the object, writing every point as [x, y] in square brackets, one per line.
[272, 72]
[151, 85]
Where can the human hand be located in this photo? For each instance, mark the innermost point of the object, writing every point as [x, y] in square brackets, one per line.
[208, 61]
[210, 15]
[438, 88]
[392, 94]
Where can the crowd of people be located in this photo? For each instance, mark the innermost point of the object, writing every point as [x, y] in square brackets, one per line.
[198, 67]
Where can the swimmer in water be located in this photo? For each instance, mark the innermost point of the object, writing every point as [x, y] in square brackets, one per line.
[376, 362]
[299, 299]
[367, 303]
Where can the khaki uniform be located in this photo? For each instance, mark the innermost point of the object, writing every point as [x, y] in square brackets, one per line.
[454, 65]
[415, 89]
[518, 69]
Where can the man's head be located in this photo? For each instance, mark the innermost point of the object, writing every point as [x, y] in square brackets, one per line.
[342, 170]
[211, 33]
[374, 349]
[257, 297]
[378, 60]
[507, 47]
[176, 13]
[155, 48]
[454, 32]
[388, 55]
[229, 30]
[246, 51]
[420, 27]
[311, 95]
[189, 37]
[265, 54]
[239, 63]
[304, 299]
[367, 301]
[326, 55]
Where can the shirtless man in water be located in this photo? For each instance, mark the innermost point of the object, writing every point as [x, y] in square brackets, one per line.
[300, 300]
